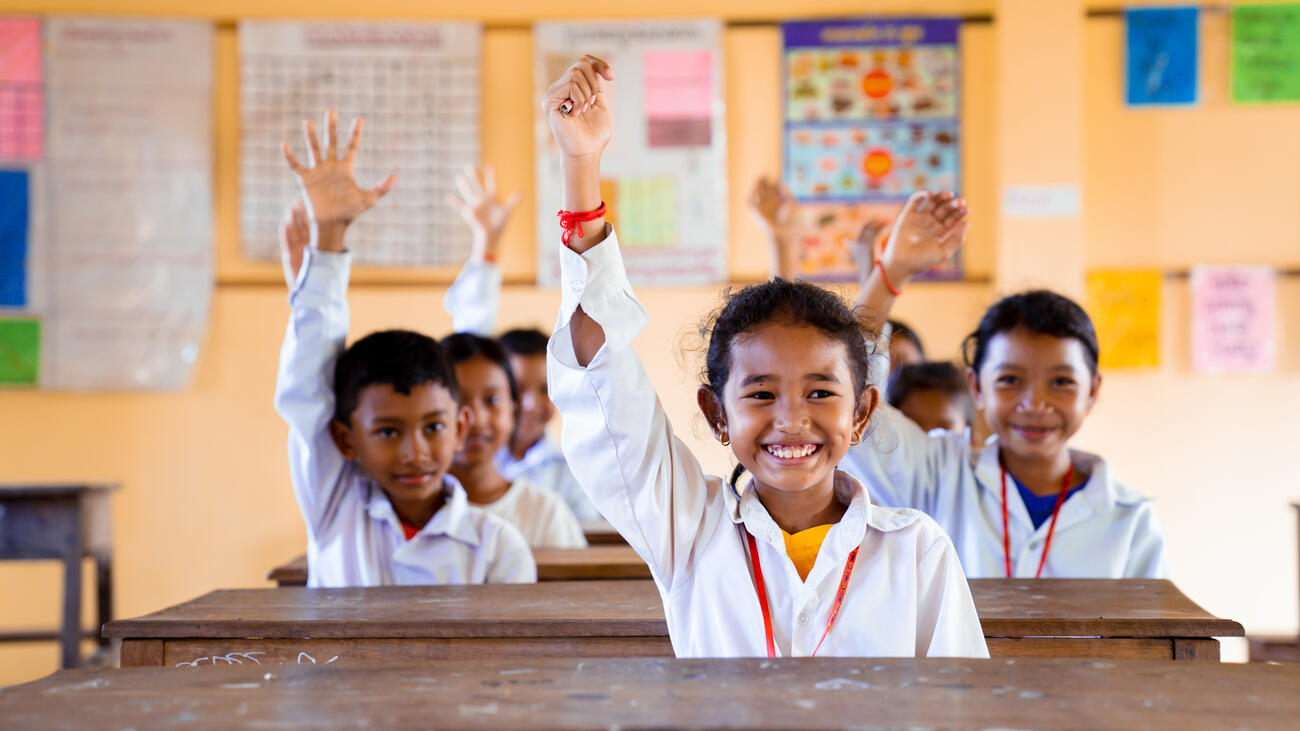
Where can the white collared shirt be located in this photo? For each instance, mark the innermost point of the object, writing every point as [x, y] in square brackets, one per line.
[540, 515]
[906, 597]
[544, 465]
[1104, 530]
[354, 537]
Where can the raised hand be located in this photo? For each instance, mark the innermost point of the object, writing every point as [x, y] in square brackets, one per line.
[329, 186]
[772, 205]
[577, 108]
[925, 234]
[483, 212]
[864, 250]
[295, 235]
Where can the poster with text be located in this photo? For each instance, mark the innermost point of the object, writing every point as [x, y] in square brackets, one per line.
[1266, 53]
[1234, 326]
[872, 113]
[1161, 55]
[663, 176]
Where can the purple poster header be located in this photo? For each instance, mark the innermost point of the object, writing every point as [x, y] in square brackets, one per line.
[870, 32]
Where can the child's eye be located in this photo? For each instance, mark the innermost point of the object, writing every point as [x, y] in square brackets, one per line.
[762, 395]
[386, 432]
[1063, 382]
[821, 393]
[1008, 380]
[436, 426]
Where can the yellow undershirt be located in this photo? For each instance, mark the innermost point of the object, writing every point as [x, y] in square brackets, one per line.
[802, 547]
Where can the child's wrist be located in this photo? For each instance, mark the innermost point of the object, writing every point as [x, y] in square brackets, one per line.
[328, 236]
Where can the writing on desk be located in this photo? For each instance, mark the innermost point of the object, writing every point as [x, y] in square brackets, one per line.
[238, 658]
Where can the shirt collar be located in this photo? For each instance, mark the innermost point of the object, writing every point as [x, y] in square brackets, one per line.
[450, 520]
[543, 452]
[847, 534]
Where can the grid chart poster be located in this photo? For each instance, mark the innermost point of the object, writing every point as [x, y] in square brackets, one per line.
[871, 114]
[416, 84]
[664, 172]
[1234, 320]
[128, 260]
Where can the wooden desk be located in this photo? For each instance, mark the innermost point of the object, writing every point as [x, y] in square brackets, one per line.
[67, 523]
[598, 533]
[1045, 693]
[600, 561]
[1021, 617]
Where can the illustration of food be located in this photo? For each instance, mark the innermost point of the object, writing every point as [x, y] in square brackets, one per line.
[877, 164]
[877, 84]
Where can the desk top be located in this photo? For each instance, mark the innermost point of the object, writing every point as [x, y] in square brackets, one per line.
[53, 490]
[791, 693]
[1007, 608]
[603, 560]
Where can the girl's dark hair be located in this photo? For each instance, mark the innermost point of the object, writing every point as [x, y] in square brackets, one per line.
[1039, 311]
[468, 346]
[931, 375]
[778, 299]
[900, 329]
[399, 358]
[524, 341]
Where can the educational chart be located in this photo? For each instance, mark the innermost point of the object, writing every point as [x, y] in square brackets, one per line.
[1161, 54]
[416, 84]
[664, 172]
[1125, 309]
[871, 114]
[1266, 53]
[127, 259]
[1234, 325]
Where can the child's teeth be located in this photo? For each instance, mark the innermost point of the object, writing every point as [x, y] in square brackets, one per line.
[792, 452]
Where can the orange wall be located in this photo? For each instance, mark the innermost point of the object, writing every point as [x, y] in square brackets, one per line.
[206, 502]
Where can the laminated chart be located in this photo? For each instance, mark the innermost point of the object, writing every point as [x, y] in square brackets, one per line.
[871, 115]
[1234, 319]
[664, 171]
[22, 96]
[416, 84]
[129, 156]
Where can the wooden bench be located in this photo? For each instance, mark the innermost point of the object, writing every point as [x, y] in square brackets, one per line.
[1044, 693]
[1021, 617]
[600, 561]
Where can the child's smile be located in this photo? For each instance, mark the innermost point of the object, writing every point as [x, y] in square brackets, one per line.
[485, 391]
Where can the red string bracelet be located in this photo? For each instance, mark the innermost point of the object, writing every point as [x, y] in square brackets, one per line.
[885, 278]
[573, 220]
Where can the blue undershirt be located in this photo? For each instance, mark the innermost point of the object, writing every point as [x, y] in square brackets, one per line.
[1040, 508]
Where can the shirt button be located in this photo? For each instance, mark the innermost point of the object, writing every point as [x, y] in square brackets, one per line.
[803, 618]
[575, 286]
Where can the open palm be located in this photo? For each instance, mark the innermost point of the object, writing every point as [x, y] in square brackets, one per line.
[927, 232]
[328, 183]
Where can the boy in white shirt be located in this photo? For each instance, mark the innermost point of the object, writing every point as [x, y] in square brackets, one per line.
[369, 454]
[788, 389]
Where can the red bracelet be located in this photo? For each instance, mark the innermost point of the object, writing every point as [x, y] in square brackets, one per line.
[490, 258]
[885, 278]
[572, 220]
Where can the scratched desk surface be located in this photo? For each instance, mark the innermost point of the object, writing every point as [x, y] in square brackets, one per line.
[788, 693]
[1020, 617]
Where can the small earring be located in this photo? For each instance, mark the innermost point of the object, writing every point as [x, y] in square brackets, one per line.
[725, 439]
[856, 440]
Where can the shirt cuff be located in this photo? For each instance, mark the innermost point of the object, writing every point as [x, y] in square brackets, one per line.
[597, 280]
[325, 278]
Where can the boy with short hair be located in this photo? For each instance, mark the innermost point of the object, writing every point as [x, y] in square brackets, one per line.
[369, 454]
[934, 395]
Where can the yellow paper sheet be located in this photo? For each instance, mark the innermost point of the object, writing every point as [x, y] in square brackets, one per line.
[1125, 309]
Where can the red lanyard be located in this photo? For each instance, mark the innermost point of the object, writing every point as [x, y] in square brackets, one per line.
[761, 588]
[1006, 534]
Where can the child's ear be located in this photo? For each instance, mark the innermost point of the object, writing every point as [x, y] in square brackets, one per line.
[342, 436]
[867, 404]
[973, 383]
[464, 419]
[1094, 391]
[713, 412]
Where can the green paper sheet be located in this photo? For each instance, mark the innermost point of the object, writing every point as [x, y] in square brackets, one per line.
[20, 352]
[1266, 53]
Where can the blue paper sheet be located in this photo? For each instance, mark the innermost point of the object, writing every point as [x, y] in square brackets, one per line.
[1162, 55]
[13, 238]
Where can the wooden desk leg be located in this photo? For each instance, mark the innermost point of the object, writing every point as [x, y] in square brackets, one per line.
[70, 634]
[104, 594]
[1197, 649]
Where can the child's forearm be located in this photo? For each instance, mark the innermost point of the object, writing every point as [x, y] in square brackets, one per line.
[875, 299]
[328, 236]
[582, 193]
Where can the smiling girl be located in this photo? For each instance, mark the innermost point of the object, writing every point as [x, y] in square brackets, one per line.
[793, 560]
[1025, 504]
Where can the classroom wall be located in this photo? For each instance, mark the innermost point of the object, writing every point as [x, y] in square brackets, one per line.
[206, 501]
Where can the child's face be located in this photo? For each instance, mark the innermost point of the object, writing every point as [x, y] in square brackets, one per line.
[535, 408]
[902, 351]
[485, 392]
[789, 407]
[1034, 391]
[403, 442]
[932, 408]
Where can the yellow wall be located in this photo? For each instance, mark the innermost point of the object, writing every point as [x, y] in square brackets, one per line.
[206, 503]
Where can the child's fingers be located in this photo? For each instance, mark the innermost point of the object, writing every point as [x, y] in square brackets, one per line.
[289, 158]
[957, 234]
[459, 206]
[600, 67]
[949, 210]
[313, 144]
[917, 203]
[331, 135]
[379, 191]
[354, 140]
[473, 180]
[580, 90]
[466, 190]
